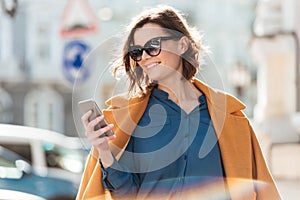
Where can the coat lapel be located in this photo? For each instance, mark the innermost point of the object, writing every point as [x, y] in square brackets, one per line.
[232, 130]
[125, 115]
[228, 127]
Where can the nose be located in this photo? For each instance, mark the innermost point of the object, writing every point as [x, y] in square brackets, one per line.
[145, 55]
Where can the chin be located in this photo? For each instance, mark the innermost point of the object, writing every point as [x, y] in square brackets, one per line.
[156, 78]
[160, 76]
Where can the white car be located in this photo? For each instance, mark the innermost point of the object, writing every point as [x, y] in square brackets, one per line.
[16, 195]
[49, 152]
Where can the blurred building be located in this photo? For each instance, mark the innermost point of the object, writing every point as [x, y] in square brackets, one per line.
[41, 73]
[275, 48]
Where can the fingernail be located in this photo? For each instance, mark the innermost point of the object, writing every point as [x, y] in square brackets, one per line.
[99, 118]
[111, 125]
[112, 137]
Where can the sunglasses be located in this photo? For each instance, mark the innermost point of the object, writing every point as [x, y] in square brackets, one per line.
[152, 48]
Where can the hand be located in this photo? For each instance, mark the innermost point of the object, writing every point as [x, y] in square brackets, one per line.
[100, 143]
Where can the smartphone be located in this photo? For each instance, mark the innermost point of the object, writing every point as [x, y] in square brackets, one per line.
[90, 104]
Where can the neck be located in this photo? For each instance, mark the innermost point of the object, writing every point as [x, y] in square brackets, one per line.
[179, 89]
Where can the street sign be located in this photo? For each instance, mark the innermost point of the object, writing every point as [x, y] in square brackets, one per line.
[73, 56]
[78, 20]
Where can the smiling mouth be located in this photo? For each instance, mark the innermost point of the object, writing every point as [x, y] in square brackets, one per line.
[152, 65]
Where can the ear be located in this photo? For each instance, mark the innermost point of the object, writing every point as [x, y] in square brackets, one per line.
[183, 45]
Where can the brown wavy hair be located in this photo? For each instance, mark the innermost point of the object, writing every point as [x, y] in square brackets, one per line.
[172, 20]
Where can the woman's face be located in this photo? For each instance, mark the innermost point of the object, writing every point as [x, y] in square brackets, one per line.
[168, 63]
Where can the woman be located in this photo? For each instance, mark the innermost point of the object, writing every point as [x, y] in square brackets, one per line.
[175, 137]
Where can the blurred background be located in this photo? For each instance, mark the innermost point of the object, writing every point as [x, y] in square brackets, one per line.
[54, 53]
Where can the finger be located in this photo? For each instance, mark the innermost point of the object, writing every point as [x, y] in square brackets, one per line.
[85, 118]
[105, 129]
[111, 137]
[93, 123]
[98, 141]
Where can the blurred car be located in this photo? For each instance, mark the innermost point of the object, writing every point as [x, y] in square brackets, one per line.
[16, 195]
[17, 177]
[49, 153]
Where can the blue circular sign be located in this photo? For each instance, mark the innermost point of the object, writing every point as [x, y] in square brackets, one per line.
[73, 57]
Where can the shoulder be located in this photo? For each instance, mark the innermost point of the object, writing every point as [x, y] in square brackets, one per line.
[233, 103]
[218, 98]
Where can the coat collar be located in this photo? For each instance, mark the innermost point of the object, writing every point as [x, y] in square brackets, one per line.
[220, 105]
[218, 99]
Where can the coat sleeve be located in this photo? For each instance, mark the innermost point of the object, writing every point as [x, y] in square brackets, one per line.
[265, 186]
[91, 182]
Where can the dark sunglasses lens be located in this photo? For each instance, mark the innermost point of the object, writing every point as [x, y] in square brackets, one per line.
[152, 51]
[136, 54]
[152, 47]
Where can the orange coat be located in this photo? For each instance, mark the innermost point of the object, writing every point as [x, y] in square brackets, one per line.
[247, 176]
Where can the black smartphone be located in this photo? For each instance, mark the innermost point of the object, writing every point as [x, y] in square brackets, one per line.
[90, 104]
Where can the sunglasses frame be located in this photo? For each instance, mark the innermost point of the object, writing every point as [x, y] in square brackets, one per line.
[147, 48]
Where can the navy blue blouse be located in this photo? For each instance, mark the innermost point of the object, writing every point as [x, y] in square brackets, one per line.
[169, 152]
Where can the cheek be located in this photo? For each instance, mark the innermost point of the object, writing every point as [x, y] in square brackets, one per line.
[170, 59]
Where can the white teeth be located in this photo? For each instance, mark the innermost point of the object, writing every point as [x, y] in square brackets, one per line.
[152, 65]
